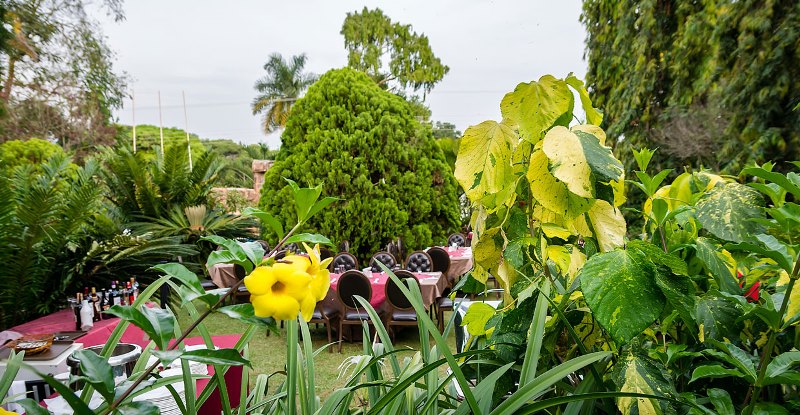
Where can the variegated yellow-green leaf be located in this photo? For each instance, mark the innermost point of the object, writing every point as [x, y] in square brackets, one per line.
[506, 275]
[487, 252]
[535, 107]
[484, 165]
[728, 210]
[608, 224]
[620, 288]
[720, 264]
[637, 373]
[551, 230]
[568, 162]
[552, 193]
[593, 115]
[560, 256]
[576, 261]
[605, 167]
[593, 130]
[476, 317]
[794, 298]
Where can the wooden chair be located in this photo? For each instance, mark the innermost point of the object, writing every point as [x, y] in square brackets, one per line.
[419, 261]
[345, 260]
[458, 239]
[352, 283]
[401, 312]
[440, 259]
[385, 258]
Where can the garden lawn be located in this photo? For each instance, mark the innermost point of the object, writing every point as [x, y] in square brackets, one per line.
[268, 353]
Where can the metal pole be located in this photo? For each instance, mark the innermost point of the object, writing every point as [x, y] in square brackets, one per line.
[160, 123]
[186, 120]
[133, 118]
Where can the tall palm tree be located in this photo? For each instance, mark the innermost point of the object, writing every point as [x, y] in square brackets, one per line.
[280, 88]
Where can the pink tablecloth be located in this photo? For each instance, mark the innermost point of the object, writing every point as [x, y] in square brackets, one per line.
[432, 286]
[64, 321]
[460, 261]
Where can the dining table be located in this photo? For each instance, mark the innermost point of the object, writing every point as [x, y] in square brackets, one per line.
[460, 261]
[432, 286]
[63, 321]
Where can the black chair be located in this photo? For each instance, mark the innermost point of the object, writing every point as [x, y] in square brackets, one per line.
[345, 260]
[383, 257]
[401, 312]
[457, 239]
[325, 253]
[264, 246]
[352, 283]
[419, 261]
[241, 295]
[440, 259]
[325, 313]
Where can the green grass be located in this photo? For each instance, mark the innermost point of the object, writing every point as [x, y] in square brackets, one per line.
[268, 353]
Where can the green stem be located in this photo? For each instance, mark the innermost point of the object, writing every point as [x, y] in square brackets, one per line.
[291, 365]
[767, 354]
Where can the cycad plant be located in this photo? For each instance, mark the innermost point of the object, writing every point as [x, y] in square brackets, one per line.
[150, 188]
[44, 215]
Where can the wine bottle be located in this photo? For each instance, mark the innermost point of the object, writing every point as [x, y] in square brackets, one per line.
[77, 311]
[105, 299]
[123, 293]
[135, 288]
[131, 297]
[95, 305]
[115, 297]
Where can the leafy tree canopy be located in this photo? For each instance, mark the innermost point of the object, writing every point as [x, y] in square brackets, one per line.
[710, 83]
[366, 147]
[372, 39]
[34, 151]
[50, 93]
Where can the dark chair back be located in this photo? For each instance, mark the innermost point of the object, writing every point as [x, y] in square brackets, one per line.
[238, 270]
[293, 247]
[394, 295]
[352, 283]
[264, 246]
[345, 260]
[383, 257]
[325, 253]
[458, 239]
[440, 259]
[419, 261]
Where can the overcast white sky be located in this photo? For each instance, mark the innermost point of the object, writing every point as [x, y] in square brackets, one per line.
[214, 51]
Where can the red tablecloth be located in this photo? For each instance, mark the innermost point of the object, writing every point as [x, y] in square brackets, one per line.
[431, 285]
[64, 321]
[460, 261]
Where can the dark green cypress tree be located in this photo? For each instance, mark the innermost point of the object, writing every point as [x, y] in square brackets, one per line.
[367, 148]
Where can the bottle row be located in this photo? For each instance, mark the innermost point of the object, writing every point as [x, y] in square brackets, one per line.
[88, 307]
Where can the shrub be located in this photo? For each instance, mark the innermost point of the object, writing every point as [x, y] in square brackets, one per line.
[367, 147]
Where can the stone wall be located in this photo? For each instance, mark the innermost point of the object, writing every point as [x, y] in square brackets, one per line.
[260, 167]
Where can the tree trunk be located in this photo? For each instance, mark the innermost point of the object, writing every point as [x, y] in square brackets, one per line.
[6, 92]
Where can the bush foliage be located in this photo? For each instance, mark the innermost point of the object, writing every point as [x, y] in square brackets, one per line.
[367, 147]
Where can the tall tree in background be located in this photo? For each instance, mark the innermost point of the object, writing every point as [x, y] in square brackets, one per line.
[711, 83]
[366, 146]
[278, 90]
[57, 79]
[372, 39]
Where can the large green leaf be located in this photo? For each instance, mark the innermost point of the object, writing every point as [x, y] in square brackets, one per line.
[96, 371]
[728, 209]
[765, 172]
[181, 273]
[229, 357]
[266, 219]
[720, 264]
[620, 289]
[535, 107]
[484, 159]
[158, 324]
[717, 317]
[637, 373]
[781, 369]
[714, 371]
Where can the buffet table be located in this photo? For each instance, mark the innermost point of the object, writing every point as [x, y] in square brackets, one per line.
[63, 321]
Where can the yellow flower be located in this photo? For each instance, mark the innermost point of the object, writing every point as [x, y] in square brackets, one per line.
[3, 411]
[320, 277]
[281, 289]
[291, 286]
